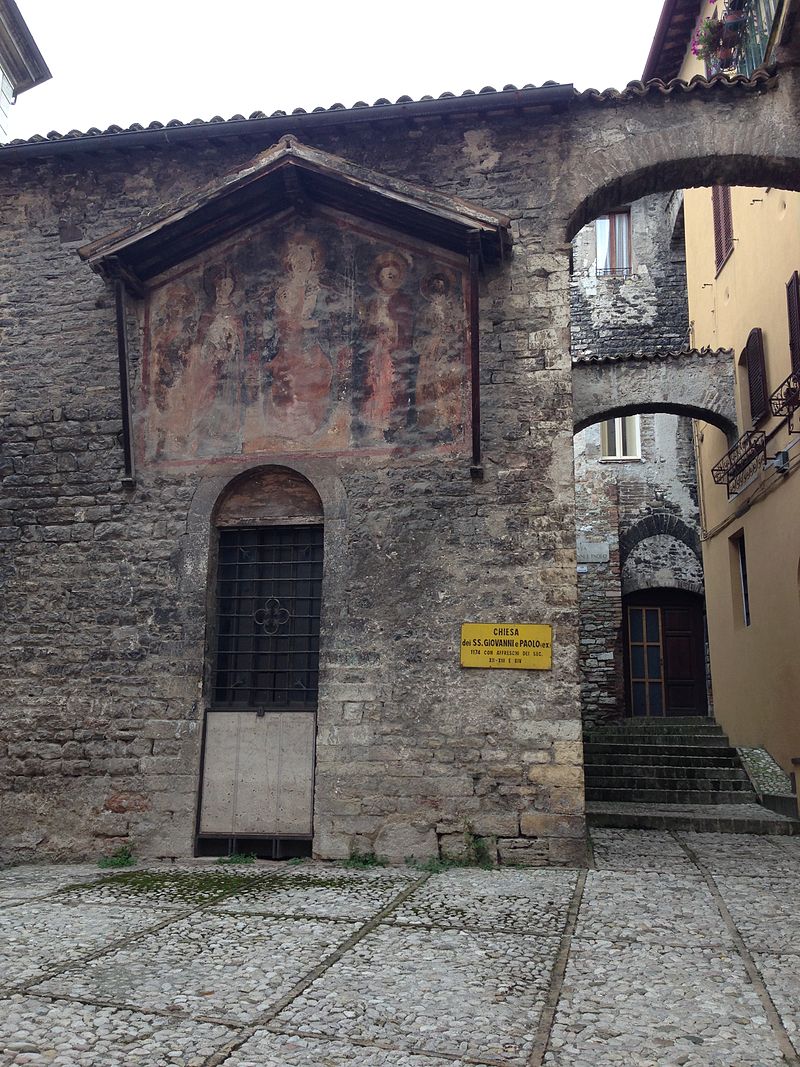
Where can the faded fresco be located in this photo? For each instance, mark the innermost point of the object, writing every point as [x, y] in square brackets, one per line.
[313, 336]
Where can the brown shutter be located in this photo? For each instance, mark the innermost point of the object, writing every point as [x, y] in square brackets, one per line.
[793, 302]
[756, 375]
[723, 223]
[727, 219]
[716, 208]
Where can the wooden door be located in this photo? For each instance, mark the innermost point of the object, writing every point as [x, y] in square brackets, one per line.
[665, 654]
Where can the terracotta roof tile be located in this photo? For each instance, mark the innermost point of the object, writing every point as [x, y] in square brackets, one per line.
[510, 96]
[655, 357]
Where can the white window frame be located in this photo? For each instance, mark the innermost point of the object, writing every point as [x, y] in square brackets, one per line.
[627, 427]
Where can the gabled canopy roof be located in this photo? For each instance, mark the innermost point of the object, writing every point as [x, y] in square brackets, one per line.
[284, 176]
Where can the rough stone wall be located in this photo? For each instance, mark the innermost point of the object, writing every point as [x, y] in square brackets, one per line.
[621, 316]
[645, 312]
[105, 588]
[599, 583]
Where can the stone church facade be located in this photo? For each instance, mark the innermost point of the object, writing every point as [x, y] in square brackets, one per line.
[356, 344]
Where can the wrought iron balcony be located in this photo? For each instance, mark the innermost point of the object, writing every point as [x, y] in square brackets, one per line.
[748, 27]
[740, 464]
[785, 401]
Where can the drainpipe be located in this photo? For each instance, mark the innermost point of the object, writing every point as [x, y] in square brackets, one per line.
[476, 469]
[129, 478]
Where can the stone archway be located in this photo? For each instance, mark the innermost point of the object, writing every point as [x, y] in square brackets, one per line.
[697, 384]
[658, 524]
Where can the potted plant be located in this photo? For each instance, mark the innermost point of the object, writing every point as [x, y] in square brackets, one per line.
[707, 42]
[733, 23]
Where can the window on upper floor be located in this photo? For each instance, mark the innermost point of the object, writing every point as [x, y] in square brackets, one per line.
[619, 438]
[753, 380]
[613, 235]
[723, 224]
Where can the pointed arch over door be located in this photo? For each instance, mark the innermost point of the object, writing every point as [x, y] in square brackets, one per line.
[262, 677]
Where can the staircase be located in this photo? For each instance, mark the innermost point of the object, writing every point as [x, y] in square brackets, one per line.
[672, 774]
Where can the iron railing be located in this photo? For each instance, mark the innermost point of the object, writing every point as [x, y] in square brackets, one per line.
[740, 464]
[785, 401]
[749, 37]
[614, 272]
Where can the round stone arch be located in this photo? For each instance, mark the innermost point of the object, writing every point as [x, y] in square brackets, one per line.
[653, 526]
[680, 172]
[660, 555]
[696, 383]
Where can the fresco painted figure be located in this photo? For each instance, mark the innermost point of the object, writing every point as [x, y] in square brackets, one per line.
[316, 337]
[295, 390]
[388, 319]
[439, 393]
[214, 379]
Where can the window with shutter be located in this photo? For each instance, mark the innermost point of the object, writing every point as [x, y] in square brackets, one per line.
[723, 223]
[753, 359]
[793, 302]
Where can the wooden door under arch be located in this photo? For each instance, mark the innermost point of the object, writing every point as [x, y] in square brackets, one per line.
[664, 641]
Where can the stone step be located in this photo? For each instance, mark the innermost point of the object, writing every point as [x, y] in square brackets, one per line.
[671, 796]
[649, 737]
[677, 773]
[619, 733]
[710, 818]
[658, 726]
[722, 749]
[614, 758]
[637, 784]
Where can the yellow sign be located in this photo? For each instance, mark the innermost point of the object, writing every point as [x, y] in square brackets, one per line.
[515, 646]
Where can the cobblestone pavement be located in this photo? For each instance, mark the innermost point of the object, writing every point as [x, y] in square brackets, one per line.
[675, 949]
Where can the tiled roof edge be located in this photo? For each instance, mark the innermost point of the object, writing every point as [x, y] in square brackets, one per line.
[509, 97]
[676, 86]
[488, 98]
[657, 356]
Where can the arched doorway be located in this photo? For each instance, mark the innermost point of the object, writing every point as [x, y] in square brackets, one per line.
[664, 653]
[262, 670]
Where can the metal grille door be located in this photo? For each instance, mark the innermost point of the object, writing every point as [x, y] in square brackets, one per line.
[269, 590]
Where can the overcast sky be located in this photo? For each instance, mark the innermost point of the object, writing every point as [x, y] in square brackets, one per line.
[123, 62]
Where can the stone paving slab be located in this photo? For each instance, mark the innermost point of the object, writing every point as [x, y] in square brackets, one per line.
[781, 975]
[655, 907]
[639, 1005]
[743, 855]
[638, 850]
[775, 929]
[31, 881]
[41, 936]
[157, 888]
[456, 972]
[38, 1032]
[321, 891]
[523, 901]
[437, 991]
[267, 1049]
[211, 966]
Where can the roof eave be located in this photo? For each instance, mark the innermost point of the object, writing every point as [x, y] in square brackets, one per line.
[19, 54]
[271, 127]
[651, 66]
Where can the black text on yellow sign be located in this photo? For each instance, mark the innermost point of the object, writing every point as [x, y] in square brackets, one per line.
[508, 645]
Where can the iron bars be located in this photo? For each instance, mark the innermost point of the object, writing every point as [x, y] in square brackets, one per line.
[740, 464]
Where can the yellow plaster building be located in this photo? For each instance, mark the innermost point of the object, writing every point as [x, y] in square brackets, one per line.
[742, 255]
